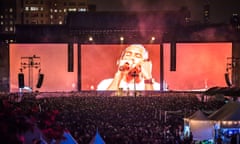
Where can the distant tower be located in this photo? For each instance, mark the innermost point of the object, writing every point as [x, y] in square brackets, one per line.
[206, 12]
[235, 21]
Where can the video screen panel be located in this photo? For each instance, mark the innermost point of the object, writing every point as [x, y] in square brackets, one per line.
[198, 65]
[100, 62]
[53, 64]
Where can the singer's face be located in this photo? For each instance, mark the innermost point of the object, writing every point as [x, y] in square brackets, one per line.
[133, 54]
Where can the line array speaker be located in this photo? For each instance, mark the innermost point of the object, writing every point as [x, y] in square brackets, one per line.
[70, 57]
[227, 80]
[173, 56]
[40, 80]
[21, 80]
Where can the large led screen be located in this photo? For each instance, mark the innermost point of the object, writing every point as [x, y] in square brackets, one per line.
[49, 60]
[101, 62]
[198, 65]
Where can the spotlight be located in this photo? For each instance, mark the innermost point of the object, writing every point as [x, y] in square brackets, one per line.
[90, 38]
[153, 38]
[121, 38]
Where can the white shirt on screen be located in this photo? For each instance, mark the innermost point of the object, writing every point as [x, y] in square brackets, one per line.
[103, 85]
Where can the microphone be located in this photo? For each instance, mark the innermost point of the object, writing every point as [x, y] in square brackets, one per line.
[124, 67]
[135, 71]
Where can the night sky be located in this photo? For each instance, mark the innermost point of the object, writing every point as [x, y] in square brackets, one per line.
[220, 10]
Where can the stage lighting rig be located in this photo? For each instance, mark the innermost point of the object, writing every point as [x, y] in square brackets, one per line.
[30, 63]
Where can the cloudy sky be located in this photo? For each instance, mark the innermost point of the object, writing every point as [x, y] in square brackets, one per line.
[220, 10]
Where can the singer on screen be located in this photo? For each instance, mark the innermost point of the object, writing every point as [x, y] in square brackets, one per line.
[134, 71]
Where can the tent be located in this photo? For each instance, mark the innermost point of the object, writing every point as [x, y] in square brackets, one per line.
[200, 126]
[227, 91]
[97, 139]
[68, 139]
[228, 115]
[227, 121]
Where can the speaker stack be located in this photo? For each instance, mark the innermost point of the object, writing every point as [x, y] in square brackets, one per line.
[40, 80]
[227, 80]
[21, 80]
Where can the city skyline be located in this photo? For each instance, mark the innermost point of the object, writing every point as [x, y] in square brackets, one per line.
[220, 11]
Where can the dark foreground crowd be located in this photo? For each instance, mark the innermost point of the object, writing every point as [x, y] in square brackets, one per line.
[155, 119]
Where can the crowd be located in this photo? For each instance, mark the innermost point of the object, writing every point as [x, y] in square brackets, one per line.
[119, 119]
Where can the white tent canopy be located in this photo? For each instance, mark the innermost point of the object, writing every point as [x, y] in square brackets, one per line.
[200, 126]
[229, 112]
[227, 118]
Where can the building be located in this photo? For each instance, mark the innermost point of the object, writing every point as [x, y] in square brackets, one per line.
[206, 12]
[7, 20]
[48, 12]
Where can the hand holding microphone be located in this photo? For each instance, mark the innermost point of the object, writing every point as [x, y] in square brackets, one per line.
[128, 69]
[124, 67]
[135, 71]
[127, 66]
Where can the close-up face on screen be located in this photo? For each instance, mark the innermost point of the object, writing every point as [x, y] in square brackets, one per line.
[100, 62]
